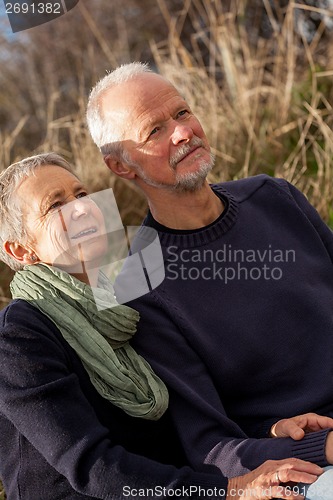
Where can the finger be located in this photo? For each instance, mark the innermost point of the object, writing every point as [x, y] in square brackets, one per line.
[287, 464]
[317, 423]
[296, 432]
[300, 474]
[311, 421]
[290, 428]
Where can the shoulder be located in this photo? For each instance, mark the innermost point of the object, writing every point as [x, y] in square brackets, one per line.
[22, 316]
[243, 189]
[29, 338]
[19, 310]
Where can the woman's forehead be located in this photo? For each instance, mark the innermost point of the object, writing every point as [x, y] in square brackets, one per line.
[45, 179]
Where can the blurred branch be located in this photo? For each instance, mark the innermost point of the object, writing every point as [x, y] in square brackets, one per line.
[97, 34]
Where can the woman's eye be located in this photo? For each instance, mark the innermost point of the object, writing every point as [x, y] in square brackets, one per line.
[54, 205]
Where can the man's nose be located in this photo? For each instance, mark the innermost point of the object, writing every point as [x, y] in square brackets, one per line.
[181, 133]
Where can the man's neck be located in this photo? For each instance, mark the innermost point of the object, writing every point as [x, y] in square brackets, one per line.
[185, 211]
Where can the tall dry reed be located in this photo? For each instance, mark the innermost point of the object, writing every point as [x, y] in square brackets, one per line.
[266, 107]
[265, 103]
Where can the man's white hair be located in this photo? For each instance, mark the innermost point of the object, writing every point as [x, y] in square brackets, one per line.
[103, 132]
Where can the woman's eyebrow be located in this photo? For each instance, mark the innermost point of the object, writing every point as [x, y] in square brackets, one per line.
[51, 196]
[58, 192]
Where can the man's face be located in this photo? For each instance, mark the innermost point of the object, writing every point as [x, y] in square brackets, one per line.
[164, 142]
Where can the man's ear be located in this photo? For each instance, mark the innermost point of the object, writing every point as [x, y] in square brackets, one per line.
[119, 168]
[19, 252]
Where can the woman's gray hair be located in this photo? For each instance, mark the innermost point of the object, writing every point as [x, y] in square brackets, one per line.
[12, 225]
[105, 136]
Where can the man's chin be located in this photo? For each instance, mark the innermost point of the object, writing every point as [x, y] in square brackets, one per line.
[193, 181]
[185, 181]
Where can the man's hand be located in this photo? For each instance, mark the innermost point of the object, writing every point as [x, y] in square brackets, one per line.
[268, 480]
[296, 427]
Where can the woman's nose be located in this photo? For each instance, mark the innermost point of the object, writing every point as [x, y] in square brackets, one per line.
[79, 208]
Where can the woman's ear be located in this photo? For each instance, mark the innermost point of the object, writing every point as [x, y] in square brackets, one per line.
[119, 168]
[19, 252]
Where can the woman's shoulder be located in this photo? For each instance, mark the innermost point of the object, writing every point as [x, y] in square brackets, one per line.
[21, 314]
[18, 310]
[26, 331]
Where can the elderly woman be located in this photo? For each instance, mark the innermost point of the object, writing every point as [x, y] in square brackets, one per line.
[81, 414]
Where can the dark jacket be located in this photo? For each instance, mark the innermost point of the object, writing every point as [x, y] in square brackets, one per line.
[60, 439]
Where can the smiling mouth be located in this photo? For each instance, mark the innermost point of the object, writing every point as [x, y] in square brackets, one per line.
[84, 232]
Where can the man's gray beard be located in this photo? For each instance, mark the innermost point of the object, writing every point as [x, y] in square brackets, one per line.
[193, 181]
[186, 182]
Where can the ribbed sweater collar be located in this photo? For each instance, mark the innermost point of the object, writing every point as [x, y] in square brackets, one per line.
[205, 235]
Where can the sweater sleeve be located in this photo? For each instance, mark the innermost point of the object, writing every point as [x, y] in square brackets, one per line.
[325, 234]
[41, 395]
[209, 435]
[323, 231]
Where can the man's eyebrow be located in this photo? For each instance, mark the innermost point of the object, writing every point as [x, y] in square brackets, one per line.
[148, 125]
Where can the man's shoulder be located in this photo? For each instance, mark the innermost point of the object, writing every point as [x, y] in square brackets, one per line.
[242, 189]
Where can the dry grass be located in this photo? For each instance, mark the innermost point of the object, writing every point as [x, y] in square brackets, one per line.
[266, 105]
[273, 112]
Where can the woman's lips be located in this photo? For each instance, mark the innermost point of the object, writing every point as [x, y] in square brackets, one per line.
[84, 232]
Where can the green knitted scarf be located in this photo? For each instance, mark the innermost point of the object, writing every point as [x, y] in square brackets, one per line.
[99, 337]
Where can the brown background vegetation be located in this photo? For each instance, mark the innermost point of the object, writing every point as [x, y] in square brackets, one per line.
[258, 74]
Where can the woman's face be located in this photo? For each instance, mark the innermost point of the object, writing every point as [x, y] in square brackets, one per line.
[65, 227]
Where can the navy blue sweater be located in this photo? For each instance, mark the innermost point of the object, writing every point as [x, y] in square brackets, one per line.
[241, 328]
[59, 439]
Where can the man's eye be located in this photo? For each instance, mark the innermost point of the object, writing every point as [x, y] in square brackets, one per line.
[182, 112]
[154, 131]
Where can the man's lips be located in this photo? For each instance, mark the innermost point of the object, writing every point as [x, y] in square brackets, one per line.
[192, 150]
[84, 232]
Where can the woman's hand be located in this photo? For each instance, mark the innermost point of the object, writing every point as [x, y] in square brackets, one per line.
[269, 480]
[296, 427]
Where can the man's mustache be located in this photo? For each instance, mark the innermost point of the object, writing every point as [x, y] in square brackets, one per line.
[184, 150]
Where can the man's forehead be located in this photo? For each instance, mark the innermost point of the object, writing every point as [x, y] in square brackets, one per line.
[117, 115]
[132, 107]
[137, 100]
[135, 92]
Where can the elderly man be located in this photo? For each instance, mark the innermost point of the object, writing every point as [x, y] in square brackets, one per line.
[241, 328]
